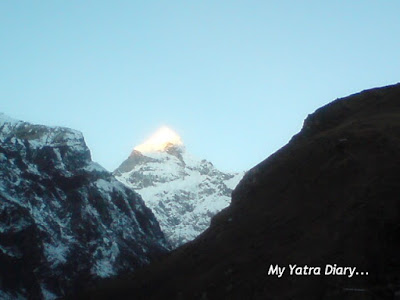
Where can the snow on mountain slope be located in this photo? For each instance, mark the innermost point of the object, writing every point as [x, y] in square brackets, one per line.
[64, 220]
[182, 191]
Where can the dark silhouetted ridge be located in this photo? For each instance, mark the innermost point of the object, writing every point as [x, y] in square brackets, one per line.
[330, 196]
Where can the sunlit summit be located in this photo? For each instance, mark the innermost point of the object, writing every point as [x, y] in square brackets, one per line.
[160, 140]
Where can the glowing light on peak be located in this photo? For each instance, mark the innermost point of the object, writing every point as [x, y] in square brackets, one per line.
[160, 140]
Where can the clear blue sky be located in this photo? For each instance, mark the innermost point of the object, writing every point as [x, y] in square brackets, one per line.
[234, 78]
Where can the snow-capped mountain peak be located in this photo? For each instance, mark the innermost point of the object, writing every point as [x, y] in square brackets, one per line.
[160, 141]
[183, 192]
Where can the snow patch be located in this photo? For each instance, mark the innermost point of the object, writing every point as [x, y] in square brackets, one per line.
[11, 296]
[11, 251]
[56, 254]
[95, 167]
[47, 295]
[104, 185]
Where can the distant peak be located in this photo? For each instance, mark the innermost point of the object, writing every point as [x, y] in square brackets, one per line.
[163, 139]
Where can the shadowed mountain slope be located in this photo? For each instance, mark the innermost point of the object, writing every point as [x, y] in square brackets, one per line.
[330, 196]
[65, 221]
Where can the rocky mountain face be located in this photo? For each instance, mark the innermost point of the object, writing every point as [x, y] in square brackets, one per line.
[183, 192]
[64, 220]
[329, 199]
